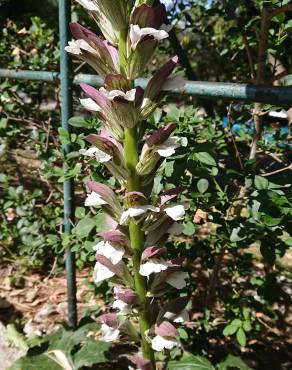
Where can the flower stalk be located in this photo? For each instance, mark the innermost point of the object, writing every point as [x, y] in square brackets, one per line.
[133, 251]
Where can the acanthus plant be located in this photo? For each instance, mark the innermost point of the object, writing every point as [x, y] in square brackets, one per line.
[133, 251]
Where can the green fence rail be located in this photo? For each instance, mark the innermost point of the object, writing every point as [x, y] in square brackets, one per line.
[218, 90]
[263, 94]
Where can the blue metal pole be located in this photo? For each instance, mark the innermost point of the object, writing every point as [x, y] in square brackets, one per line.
[66, 113]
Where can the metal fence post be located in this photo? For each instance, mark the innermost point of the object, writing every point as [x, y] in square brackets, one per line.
[66, 113]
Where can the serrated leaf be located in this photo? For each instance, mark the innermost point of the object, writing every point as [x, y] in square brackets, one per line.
[203, 185]
[39, 362]
[232, 363]
[205, 158]
[191, 362]
[92, 352]
[241, 337]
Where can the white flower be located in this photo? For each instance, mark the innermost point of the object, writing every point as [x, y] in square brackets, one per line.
[137, 33]
[113, 253]
[93, 200]
[158, 343]
[88, 4]
[136, 211]
[153, 266]
[182, 317]
[90, 105]
[101, 273]
[122, 306]
[100, 156]
[76, 46]
[88, 152]
[111, 95]
[179, 318]
[175, 212]
[167, 148]
[175, 229]
[177, 279]
[109, 334]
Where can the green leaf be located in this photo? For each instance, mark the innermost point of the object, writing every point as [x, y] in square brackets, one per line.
[15, 338]
[232, 328]
[261, 183]
[247, 326]
[235, 235]
[205, 158]
[84, 227]
[189, 228]
[80, 212]
[100, 221]
[232, 363]
[3, 123]
[168, 170]
[92, 352]
[78, 122]
[191, 362]
[241, 337]
[288, 241]
[39, 362]
[183, 333]
[202, 185]
[271, 221]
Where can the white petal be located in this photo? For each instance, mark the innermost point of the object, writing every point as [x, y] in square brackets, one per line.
[176, 212]
[113, 253]
[124, 217]
[137, 33]
[88, 152]
[148, 268]
[102, 157]
[83, 45]
[158, 343]
[101, 273]
[177, 279]
[167, 148]
[111, 95]
[73, 48]
[175, 229]
[109, 334]
[93, 200]
[123, 307]
[183, 316]
[137, 211]
[88, 4]
[90, 105]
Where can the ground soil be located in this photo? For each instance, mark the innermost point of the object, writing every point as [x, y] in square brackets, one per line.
[39, 305]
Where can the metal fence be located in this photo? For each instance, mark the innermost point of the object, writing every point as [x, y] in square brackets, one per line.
[231, 91]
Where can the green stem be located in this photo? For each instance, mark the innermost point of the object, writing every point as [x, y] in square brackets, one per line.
[137, 241]
[135, 232]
